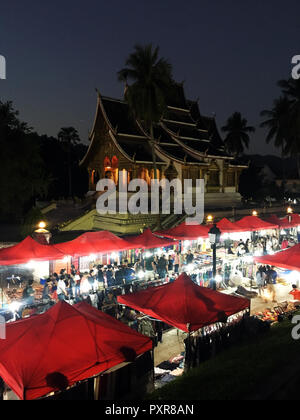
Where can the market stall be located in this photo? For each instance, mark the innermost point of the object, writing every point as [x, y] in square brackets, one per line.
[94, 247]
[29, 250]
[289, 259]
[67, 344]
[189, 308]
[185, 305]
[186, 232]
[147, 240]
[255, 224]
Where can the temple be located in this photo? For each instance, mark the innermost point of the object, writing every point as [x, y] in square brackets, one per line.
[187, 146]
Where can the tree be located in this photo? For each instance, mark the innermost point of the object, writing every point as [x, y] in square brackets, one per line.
[69, 138]
[22, 174]
[152, 81]
[237, 130]
[291, 88]
[31, 220]
[277, 123]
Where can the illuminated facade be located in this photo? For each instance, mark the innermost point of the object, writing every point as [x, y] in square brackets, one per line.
[187, 146]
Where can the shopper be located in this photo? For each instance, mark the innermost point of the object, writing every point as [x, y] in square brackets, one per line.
[162, 267]
[149, 267]
[170, 263]
[177, 262]
[271, 286]
[189, 257]
[272, 274]
[260, 280]
[47, 291]
[62, 288]
[285, 243]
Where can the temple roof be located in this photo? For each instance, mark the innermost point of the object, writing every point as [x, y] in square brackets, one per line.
[183, 133]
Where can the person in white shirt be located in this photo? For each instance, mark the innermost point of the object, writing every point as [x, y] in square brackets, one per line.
[85, 286]
[61, 289]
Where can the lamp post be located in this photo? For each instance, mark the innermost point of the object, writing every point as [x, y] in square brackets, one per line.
[214, 238]
[289, 211]
[42, 235]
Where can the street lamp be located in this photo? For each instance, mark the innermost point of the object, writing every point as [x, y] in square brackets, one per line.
[42, 225]
[42, 235]
[214, 238]
[289, 211]
[209, 219]
[254, 213]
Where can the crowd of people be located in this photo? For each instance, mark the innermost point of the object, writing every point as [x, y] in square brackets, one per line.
[76, 285]
[259, 245]
[164, 266]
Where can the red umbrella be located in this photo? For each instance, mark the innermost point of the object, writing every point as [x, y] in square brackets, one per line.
[185, 305]
[29, 250]
[64, 345]
[186, 232]
[93, 243]
[149, 241]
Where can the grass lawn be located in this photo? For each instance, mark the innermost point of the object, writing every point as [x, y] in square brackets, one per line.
[237, 372]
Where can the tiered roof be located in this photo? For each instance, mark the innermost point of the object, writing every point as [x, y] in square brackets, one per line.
[182, 135]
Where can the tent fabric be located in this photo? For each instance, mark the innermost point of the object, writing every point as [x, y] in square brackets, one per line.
[149, 241]
[284, 223]
[62, 346]
[102, 242]
[226, 226]
[295, 219]
[254, 223]
[185, 305]
[29, 250]
[289, 259]
[186, 232]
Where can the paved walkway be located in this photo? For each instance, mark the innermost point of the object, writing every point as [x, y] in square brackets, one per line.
[172, 345]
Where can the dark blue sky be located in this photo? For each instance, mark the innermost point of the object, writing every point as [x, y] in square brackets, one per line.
[229, 52]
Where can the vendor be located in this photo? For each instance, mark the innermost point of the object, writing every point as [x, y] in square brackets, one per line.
[295, 293]
[189, 258]
[28, 293]
[149, 267]
[47, 290]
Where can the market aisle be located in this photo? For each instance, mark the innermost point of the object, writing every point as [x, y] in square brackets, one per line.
[282, 295]
[259, 305]
[171, 346]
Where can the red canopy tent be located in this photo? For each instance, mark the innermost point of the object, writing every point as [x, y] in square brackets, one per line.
[29, 250]
[149, 241]
[295, 219]
[290, 259]
[93, 243]
[254, 223]
[186, 232]
[68, 342]
[226, 226]
[185, 305]
[284, 223]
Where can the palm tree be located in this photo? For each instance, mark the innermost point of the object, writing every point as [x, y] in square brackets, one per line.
[237, 130]
[291, 88]
[68, 136]
[277, 123]
[152, 80]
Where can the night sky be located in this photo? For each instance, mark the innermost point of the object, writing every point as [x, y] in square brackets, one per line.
[229, 53]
